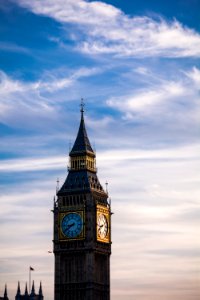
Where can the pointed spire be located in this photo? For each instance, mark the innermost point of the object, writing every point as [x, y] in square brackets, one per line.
[33, 289]
[5, 292]
[26, 289]
[82, 143]
[40, 289]
[18, 290]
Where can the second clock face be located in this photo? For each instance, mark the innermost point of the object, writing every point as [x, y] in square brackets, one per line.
[72, 225]
[102, 226]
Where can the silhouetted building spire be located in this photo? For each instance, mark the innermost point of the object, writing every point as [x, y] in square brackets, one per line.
[18, 295]
[40, 292]
[18, 289]
[26, 289]
[32, 295]
[40, 289]
[5, 293]
[25, 296]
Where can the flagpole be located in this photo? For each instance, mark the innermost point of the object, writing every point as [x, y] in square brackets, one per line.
[29, 280]
[30, 269]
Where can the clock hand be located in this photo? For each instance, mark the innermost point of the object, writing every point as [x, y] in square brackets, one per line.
[69, 226]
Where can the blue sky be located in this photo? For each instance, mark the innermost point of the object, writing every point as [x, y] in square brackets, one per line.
[137, 64]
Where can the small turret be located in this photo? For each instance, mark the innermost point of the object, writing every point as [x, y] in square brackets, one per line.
[40, 292]
[5, 293]
[26, 289]
[26, 295]
[17, 297]
[32, 295]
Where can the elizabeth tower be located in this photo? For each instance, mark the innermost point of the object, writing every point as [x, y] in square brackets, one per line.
[82, 228]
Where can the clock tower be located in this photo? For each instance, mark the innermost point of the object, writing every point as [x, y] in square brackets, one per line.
[82, 228]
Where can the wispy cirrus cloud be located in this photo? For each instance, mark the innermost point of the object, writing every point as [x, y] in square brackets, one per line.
[194, 75]
[107, 30]
[144, 101]
[35, 164]
[11, 47]
[166, 102]
[36, 100]
[50, 82]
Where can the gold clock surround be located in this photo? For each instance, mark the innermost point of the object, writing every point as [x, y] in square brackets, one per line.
[103, 211]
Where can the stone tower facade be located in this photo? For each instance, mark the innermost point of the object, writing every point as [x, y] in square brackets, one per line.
[82, 228]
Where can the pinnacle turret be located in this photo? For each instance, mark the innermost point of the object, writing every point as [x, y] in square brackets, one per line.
[40, 289]
[5, 293]
[26, 289]
[25, 296]
[32, 290]
[18, 295]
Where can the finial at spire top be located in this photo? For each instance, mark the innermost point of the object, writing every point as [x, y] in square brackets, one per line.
[57, 185]
[82, 106]
[106, 187]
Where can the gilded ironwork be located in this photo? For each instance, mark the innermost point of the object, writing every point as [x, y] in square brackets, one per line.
[103, 223]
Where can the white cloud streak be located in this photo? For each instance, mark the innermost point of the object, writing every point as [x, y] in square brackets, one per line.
[22, 165]
[194, 74]
[105, 157]
[23, 101]
[9, 85]
[107, 30]
[173, 105]
[143, 101]
[11, 47]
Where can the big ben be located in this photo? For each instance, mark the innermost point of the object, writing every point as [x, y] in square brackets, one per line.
[82, 228]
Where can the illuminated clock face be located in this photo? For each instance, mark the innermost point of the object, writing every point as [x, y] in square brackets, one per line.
[102, 226]
[72, 225]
